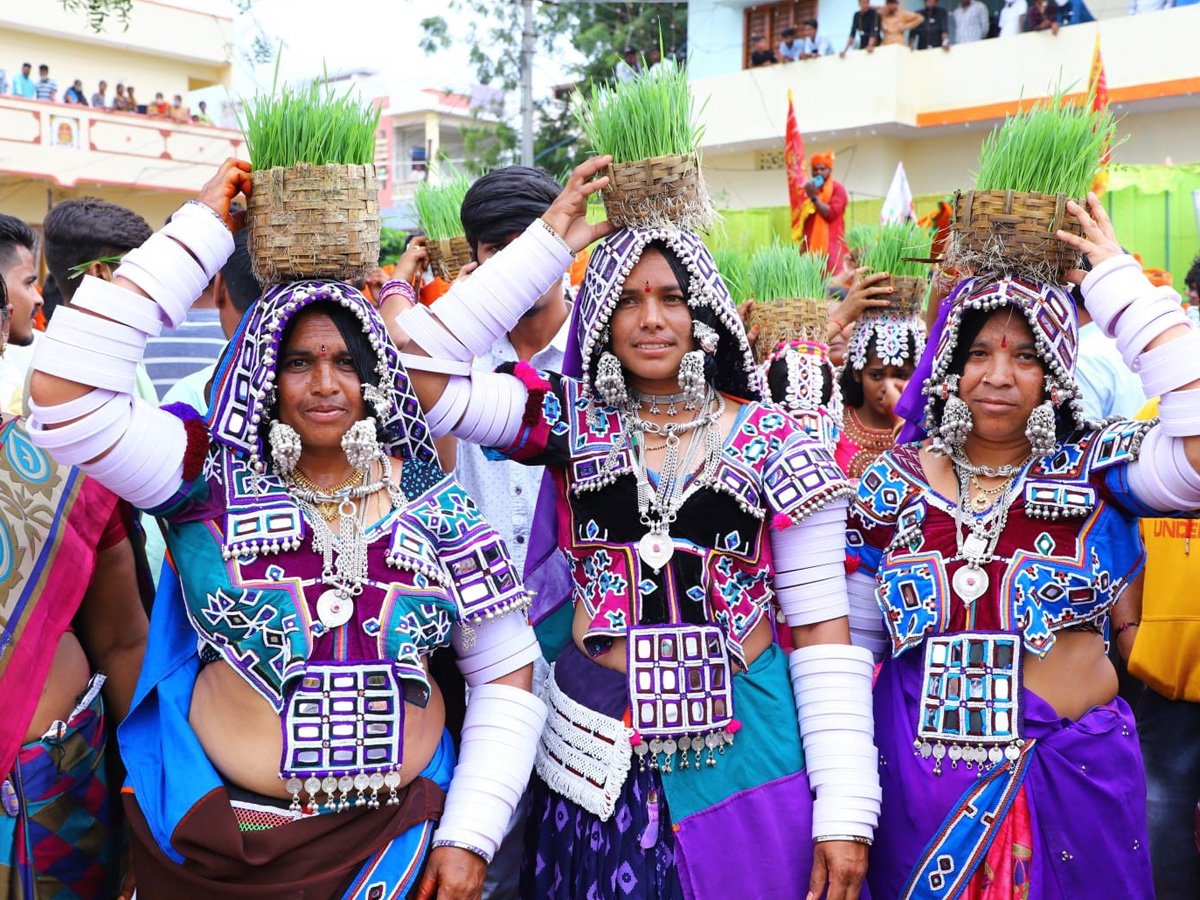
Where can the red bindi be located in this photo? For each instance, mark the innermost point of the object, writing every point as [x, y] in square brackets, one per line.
[647, 287]
[323, 353]
[1003, 341]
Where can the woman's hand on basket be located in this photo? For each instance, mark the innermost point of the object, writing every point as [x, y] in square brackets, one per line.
[452, 874]
[866, 292]
[743, 312]
[567, 215]
[232, 178]
[1099, 241]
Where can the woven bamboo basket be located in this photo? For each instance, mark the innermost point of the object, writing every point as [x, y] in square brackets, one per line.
[447, 257]
[310, 221]
[1012, 232]
[664, 191]
[793, 319]
[908, 294]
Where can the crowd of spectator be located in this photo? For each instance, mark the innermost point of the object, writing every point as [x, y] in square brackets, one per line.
[123, 99]
[933, 26]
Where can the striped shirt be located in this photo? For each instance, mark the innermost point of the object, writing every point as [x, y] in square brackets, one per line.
[178, 352]
[46, 89]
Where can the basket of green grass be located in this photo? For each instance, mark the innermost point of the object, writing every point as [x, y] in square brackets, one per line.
[314, 208]
[788, 288]
[902, 250]
[438, 206]
[733, 265]
[1029, 168]
[648, 125]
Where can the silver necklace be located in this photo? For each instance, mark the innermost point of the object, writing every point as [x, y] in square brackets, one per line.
[977, 547]
[343, 555]
[962, 461]
[652, 401]
[659, 506]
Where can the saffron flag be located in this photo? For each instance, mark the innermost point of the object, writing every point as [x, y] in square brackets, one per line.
[898, 205]
[797, 173]
[1098, 97]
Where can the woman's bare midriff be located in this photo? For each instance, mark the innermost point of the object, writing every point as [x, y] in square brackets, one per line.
[241, 733]
[1074, 676]
[69, 675]
[614, 658]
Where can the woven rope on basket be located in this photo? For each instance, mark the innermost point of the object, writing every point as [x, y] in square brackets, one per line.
[661, 192]
[1011, 234]
[793, 319]
[309, 221]
[447, 257]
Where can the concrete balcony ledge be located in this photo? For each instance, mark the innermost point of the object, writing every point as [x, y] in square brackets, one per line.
[76, 145]
[1149, 62]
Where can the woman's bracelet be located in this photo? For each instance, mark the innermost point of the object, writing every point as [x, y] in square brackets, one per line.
[460, 845]
[853, 838]
[838, 322]
[1125, 626]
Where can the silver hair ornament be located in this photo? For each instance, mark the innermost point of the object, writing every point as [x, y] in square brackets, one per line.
[706, 336]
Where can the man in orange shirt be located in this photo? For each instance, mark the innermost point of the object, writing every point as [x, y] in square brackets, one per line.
[824, 212]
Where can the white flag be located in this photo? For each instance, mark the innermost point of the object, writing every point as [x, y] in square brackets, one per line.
[898, 205]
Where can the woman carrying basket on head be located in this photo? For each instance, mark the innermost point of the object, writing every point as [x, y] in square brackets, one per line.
[992, 559]
[287, 738]
[683, 505]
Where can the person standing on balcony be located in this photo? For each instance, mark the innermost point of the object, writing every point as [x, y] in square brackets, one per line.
[202, 117]
[121, 101]
[813, 45]
[790, 49]
[1012, 17]
[864, 28]
[971, 22]
[100, 99]
[23, 85]
[178, 112]
[824, 212]
[47, 87]
[74, 94]
[1042, 16]
[934, 31]
[894, 21]
[760, 53]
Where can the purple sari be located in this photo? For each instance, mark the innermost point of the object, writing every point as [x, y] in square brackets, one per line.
[1084, 784]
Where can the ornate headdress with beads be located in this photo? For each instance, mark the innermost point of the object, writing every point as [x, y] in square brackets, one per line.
[894, 329]
[245, 377]
[609, 267]
[1052, 318]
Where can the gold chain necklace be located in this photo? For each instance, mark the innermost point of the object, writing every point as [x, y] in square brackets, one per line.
[986, 496]
[328, 510]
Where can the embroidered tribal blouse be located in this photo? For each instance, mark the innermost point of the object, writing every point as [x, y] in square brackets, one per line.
[251, 578]
[1069, 549]
[721, 569]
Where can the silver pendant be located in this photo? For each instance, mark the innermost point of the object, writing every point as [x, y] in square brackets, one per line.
[656, 549]
[970, 582]
[334, 608]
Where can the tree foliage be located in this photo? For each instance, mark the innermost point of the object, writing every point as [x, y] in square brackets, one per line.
[98, 11]
[598, 31]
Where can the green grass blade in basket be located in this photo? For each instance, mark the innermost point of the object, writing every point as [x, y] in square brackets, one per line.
[781, 272]
[733, 266]
[438, 206]
[309, 125]
[896, 246]
[859, 238]
[1054, 147]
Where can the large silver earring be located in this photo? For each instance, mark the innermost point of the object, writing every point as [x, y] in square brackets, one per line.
[361, 445]
[285, 448]
[691, 379]
[1040, 429]
[956, 422]
[706, 336]
[610, 380]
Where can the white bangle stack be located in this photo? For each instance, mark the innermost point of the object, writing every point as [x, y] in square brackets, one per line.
[832, 687]
[809, 567]
[487, 305]
[499, 738]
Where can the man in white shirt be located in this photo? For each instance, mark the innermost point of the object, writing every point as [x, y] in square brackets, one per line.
[971, 21]
[1012, 17]
[789, 49]
[813, 45]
